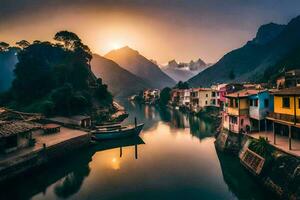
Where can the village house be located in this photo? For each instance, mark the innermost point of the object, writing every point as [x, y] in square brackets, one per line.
[225, 89]
[151, 95]
[186, 97]
[260, 104]
[16, 135]
[200, 98]
[215, 97]
[236, 115]
[286, 116]
[180, 97]
[289, 79]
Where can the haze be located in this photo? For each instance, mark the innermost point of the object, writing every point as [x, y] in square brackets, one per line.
[160, 30]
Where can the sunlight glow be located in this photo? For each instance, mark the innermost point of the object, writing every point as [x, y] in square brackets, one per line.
[115, 45]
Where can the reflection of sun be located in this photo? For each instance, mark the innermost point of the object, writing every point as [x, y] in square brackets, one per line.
[115, 164]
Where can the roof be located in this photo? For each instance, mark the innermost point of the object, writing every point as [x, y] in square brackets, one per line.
[16, 127]
[69, 120]
[288, 91]
[80, 117]
[244, 93]
[201, 89]
[51, 126]
[8, 115]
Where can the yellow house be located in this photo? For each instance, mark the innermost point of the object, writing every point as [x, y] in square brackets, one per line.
[286, 115]
[287, 105]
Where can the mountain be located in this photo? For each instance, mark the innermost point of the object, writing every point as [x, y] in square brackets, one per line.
[120, 82]
[8, 60]
[184, 71]
[140, 66]
[272, 43]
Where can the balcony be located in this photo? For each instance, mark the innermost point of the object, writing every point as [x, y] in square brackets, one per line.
[236, 111]
[284, 117]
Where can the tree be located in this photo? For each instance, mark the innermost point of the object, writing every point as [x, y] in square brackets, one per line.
[69, 39]
[4, 46]
[57, 77]
[182, 85]
[231, 75]
[23, 44]
[165, 96]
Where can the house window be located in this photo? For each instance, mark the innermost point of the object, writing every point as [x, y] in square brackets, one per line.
[242, 122]
[233, 120]
[205, 102]
[266, 102]
[206, 95]
[251, 102]
[285, 102]
[236, 103]
[256, 102]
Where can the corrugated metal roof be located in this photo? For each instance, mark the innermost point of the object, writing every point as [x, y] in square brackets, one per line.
[16, 127]
[288, 91]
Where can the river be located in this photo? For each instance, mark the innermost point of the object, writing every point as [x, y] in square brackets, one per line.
[174, 158]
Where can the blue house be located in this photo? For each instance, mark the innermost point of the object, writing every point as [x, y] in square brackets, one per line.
[260, 104]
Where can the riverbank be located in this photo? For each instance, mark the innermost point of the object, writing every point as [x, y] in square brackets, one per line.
[48, 147]
[278, 172]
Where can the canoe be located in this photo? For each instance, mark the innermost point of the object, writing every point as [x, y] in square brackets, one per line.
[117, 133]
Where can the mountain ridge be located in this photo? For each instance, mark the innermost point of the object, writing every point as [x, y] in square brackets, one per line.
[249, 62]
[120, 82]
[137, 64]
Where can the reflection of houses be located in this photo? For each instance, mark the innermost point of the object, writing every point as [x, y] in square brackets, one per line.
[286, 115]
[77, 120]
[289, 79]
[151, 95]
[16, 135]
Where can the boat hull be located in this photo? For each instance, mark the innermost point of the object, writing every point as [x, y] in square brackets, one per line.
[118, 134]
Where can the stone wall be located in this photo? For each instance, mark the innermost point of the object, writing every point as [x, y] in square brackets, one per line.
[281, 175]
[35, 159]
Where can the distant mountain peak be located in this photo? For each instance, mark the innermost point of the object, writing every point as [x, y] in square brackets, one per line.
[267, 33]
[137, 64]
[124, 50]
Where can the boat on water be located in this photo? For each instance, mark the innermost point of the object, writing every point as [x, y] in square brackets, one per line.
[117, 132]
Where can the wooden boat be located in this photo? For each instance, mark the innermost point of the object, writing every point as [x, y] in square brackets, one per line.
[117, 133]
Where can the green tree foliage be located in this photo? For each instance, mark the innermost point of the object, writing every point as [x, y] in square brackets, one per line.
[4, 46]
[23, 44]
[261, 147]
[59, 73]
[165, 96]
[182, 85]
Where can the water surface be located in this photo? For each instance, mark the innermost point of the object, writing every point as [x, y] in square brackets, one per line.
[175, 158]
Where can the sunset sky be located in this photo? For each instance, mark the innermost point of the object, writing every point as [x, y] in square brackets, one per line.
[160, 30]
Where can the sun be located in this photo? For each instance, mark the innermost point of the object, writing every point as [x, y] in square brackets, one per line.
[116, 45]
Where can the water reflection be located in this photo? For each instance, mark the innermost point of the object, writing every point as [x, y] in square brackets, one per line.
[65, 176]
[200, 128]
[175, 158]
